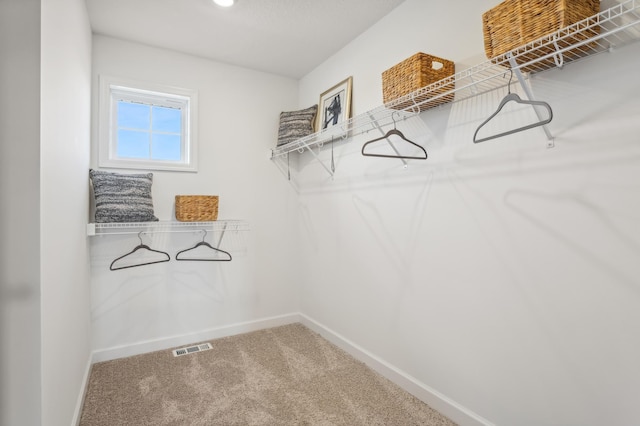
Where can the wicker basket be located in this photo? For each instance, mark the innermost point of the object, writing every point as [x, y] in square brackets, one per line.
[196, 208]
[514, 23]
[414, 73]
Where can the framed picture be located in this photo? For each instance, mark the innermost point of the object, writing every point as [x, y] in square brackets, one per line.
[335, 105]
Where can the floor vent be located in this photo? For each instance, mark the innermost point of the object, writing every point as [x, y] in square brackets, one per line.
[192, 349]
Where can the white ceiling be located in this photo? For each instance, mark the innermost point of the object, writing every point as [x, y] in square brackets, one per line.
[285, 37]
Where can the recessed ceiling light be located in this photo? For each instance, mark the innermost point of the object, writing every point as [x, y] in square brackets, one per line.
[224, 3]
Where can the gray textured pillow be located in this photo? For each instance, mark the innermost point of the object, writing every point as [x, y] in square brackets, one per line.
[296, 124]
[122, 197]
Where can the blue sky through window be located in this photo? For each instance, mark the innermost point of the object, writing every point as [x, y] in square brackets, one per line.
[167, 120]
[133, 116]
[165, 147]
[149, 132]
[133, 144]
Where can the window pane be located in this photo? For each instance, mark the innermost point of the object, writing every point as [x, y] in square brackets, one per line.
[166, 147]
[133, 116]
[146, 126]
[167, 119]
[133, 144]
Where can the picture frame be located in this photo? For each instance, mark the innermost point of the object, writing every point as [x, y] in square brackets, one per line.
[334, 106]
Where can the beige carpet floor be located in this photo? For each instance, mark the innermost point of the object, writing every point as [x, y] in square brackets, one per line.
[285, 375]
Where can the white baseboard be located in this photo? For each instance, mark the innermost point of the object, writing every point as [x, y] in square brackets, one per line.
[433, 398]
[186, 339]
[83, 393]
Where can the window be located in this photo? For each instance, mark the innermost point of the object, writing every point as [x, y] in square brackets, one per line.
[145, 126]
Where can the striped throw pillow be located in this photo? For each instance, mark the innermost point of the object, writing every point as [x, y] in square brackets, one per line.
[122, 197]
[296, 124]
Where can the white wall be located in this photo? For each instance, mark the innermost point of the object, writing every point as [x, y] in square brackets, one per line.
[19, 212]
[238, 121]
[502, 275]
[64, 161]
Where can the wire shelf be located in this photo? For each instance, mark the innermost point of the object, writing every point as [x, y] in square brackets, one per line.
[165, 226]
[614, 27]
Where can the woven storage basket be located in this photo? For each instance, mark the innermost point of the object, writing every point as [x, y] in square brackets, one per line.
[514, 23]
[196, 208]
[414, 73]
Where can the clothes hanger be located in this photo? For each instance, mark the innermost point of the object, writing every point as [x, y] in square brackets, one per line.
[515, 98]
[396, 132]
[205, 244]
[140, 246]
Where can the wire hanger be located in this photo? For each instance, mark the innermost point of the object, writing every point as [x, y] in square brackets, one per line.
[514, 97]
[396, 132]
[140, 246]
[205, 244]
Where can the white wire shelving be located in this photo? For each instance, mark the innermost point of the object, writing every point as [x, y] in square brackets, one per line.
[614, 27]
[94, 229]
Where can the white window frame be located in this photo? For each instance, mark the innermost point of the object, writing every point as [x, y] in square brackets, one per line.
[186, 99]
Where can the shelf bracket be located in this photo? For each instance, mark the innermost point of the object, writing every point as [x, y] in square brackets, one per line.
[329, 170]
[473, 86]
[415, 109]
[558, 58]
[224, 229]
[527, 90]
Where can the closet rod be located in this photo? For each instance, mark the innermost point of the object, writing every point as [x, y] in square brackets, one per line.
[94, 229]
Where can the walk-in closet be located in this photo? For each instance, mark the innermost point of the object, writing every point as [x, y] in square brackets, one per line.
[313, 242]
